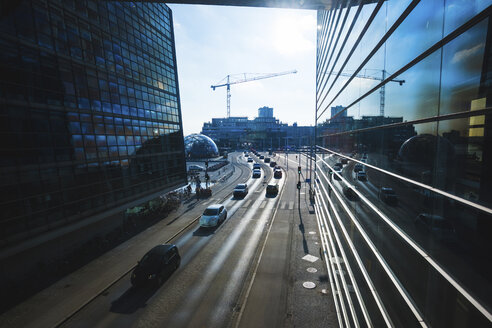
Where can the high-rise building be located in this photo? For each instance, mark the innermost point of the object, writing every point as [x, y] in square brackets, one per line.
[409, 226]
[265, 112]
[89, 110]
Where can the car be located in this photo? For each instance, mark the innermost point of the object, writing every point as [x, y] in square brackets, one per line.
[213, 216]
[156, 265]
[241, 190]
[338, 166]
[337, 177]
[364, 160]
[437, 225]
[358, 167]
[277, 174]
[273, 163]
[250, 159]
[388, 195]
[256, 173]
[256, 166]
[343, 160]
[272, 190]
[361, 176]
[195, 168]
[267, 159]
[262, 157]
[350, 193]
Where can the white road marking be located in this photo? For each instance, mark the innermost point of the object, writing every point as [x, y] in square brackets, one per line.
[263, 204]
[291, 205]
[246, 204]
[310, 258]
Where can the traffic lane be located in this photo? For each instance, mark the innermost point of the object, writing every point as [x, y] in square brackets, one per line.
[264, 298]
[220, 312]
[131, 303]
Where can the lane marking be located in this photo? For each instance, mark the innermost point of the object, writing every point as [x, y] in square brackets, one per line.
[291, 205]
[282, 207]
[246, 204]
[263, 204]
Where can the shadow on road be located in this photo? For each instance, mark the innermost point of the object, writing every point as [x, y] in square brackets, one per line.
[301, 227]
[203, 232]
[132, 300]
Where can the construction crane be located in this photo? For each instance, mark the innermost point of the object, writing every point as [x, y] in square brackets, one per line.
[241, 78]
[381, 91]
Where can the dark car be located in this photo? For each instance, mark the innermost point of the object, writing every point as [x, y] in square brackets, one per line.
[277, 174]
[358, 167]
[241, 190]
[388, 195]
[440, 227]
[338, 166]
[337, 176]
[343, 160]
[267, 159]
[256, 173]
[256, 166]
[250, 159]
[262, 157]
[155, 266]
[272, 190]
[273, 164]
[350, 193]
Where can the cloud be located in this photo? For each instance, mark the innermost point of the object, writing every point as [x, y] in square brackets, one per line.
[465, 53]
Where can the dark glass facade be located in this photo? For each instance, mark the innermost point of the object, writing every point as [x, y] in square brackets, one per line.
[408, 218]
[89, 110]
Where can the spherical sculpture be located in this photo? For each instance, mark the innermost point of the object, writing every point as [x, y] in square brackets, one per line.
[200, 146]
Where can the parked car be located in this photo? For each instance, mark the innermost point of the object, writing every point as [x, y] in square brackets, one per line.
[361, 176]
[277, 174]
[262, 157]
[437, 225]
[213, 216]
[156, 265]
[358, 167]
[273, 163]
[388, 195]
[272, 190]
[256, 166]
[195, 168]
[241, 190]
[250, 159]
[256, 173]
[267, 159]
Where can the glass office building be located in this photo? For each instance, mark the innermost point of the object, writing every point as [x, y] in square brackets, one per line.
[403, 177]
[89, 111]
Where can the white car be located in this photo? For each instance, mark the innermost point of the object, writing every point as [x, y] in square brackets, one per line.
[213, 216]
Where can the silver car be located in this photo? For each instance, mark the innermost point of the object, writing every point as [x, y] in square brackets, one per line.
[213, 216]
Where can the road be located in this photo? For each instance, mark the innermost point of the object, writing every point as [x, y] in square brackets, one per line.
[245, 273]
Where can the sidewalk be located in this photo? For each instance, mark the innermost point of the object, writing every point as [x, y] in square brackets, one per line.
[50, 306]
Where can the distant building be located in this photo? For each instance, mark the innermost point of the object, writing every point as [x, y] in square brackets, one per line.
[338, 109]
[265, 112]
[264, 131]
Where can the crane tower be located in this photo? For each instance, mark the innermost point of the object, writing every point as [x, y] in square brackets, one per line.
[241, 78]
[381, 91]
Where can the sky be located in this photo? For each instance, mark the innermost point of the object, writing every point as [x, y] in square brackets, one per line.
[214, 41]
